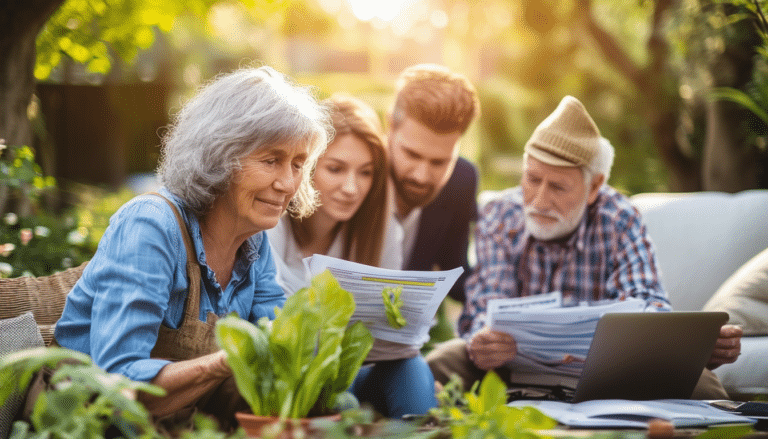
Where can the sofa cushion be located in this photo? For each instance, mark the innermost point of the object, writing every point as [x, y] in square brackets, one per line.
[16, 334]
[702, 238]
[749, 374]
[744, 296]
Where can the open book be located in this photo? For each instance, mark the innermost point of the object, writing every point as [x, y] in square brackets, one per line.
[422, 293]
[620, 413]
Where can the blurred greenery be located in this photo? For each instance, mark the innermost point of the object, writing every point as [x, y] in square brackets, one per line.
[648, 94]
[36, 240]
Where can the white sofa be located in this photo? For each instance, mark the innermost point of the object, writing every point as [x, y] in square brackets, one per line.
[702, 240]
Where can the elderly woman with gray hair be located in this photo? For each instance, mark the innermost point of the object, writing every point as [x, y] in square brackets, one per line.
[238, 155]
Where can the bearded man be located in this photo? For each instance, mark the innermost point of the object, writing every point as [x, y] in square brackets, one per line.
[563, 229]
[434, 188]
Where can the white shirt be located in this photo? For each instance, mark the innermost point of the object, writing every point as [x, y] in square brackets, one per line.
[410, 227]
[292, 275]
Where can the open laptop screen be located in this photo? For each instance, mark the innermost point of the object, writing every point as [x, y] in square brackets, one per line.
[648, 355]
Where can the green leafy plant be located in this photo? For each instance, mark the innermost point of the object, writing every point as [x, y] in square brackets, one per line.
[305, 359]
[392, 304]
[486, 414]
[83, 401]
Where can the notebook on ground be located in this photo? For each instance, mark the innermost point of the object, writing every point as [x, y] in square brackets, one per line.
[648, 355]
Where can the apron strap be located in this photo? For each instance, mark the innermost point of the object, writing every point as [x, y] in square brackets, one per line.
[192, 305]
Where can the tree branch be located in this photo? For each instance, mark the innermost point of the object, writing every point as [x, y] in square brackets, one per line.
[609, 47]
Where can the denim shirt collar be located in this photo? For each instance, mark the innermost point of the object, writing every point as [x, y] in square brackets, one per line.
[249, 251]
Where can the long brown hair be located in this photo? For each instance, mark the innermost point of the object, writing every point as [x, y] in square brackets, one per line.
[364, 232]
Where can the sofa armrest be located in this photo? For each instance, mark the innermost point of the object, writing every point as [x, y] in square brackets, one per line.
[749, 374]
[701, 238]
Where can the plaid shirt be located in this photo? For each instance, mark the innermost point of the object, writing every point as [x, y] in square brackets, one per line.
[609, 256]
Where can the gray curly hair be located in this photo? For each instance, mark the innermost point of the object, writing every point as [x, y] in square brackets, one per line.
[231, 117]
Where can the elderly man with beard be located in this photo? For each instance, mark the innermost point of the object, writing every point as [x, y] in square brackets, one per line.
[563, 229]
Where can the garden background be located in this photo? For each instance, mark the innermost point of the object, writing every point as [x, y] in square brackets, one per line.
[680, 87]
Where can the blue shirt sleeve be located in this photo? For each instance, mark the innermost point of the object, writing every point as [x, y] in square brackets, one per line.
[115, 310]
[268, 293]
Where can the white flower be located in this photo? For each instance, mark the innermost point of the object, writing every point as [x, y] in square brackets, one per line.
[7, 249]
[66, 263]
[5, 269]
[27, 273]
[75, 237]
[11, 218]
[42, 231]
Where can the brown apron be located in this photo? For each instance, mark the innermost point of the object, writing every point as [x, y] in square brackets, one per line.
[194, 338]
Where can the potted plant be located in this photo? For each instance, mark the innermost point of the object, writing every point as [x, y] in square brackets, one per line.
[300, 363]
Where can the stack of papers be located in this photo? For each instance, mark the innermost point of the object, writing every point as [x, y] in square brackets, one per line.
[423, 291]
[621, 413]
[552, 339]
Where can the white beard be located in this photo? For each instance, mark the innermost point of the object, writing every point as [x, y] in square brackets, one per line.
[564, 226]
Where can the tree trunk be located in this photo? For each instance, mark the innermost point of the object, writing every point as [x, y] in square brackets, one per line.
[658, 103]
[731, 164]
[684, 171]
[20, 22]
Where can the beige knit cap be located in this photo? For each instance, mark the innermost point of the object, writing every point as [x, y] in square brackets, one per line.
[567, 137]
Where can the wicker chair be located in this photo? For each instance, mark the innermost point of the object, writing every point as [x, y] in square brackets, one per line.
[44, 296]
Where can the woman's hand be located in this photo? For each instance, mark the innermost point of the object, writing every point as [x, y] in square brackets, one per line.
[185, 382]
[490, 349]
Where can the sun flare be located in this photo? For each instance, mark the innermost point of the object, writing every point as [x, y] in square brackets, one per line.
[367, 10]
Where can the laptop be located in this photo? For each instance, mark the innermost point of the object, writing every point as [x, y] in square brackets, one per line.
[648, 355]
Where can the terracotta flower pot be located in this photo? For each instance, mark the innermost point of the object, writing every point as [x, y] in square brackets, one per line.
[253, 425]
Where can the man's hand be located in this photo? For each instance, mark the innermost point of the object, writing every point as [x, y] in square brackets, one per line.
[490, 349]
[728, 346]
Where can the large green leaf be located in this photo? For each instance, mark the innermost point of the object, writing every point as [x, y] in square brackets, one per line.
[741, 98]
[337, 305]
[293, 339]
[307, 352]
[355, 346]
[17, 368]
[324, 368]
[248, 355]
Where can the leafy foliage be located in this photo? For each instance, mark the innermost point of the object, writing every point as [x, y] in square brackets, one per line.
[486, 414]
[307, 357]
[93, 32]
[754, 97]
[83, 401]
[392, 304]
[33, 242]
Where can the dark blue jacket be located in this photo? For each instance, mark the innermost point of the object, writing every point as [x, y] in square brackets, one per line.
[442, 239]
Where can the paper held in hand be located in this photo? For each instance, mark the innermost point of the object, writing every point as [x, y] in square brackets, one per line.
[551, 338]
[422, 293]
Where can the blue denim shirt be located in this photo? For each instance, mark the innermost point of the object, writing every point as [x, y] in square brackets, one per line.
[137, 280]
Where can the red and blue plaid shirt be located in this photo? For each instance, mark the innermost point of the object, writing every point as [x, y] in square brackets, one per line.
[609, 256]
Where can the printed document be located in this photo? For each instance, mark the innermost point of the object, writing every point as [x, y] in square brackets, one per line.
[621, 413]
[551, 338]
[423, 291]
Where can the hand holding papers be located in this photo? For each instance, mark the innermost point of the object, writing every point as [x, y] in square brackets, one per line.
[422, 293]
[551, 339]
